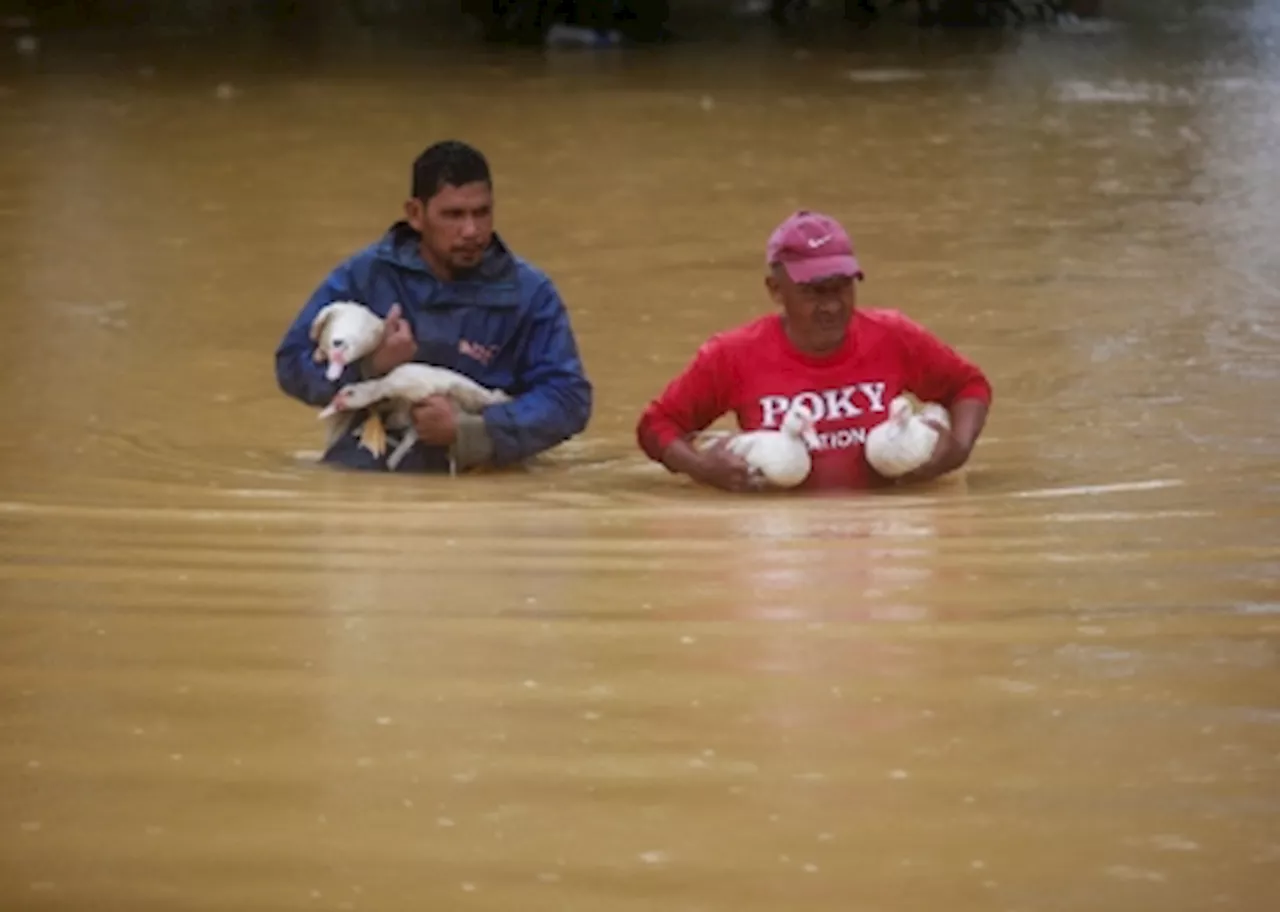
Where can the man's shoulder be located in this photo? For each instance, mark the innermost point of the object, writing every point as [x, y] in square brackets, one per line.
[361, 257]
[533, 286]
[363, 262]
[887, 321]
[746, 337]
[889, 318]
[532, 278]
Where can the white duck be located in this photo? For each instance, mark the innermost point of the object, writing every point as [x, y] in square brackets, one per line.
[344, 332]
[392, 398]
[905, 441]
[781, 458]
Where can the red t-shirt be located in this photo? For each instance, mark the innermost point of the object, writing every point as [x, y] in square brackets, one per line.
[755, 372]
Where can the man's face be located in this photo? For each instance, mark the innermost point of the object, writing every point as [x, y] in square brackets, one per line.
[818, 312]
[456, 225]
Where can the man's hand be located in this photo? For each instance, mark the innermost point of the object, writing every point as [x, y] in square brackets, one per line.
[398, 346]
[954, 446]
[719, 467]
[948, 455]
[436, 421]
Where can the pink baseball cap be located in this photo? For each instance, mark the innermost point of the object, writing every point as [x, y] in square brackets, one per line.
[812, 246]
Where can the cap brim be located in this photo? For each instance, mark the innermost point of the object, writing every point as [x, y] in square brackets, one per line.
[806, 271]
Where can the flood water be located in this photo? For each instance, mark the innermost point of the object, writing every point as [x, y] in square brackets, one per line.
[231, 679]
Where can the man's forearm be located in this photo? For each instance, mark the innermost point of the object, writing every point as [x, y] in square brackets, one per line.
[544, 416]
[473, 447]
[968, 417]
[682, 458]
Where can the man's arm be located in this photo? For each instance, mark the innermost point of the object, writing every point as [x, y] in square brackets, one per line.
[555, 403]
[691, 401]
[941, 374]
[695, 398]
[968, 418]
[297, 373]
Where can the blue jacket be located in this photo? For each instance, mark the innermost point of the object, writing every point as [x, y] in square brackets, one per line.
[504, 326]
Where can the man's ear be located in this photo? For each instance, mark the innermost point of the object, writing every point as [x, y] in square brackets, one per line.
[774, 287]
[415, 213]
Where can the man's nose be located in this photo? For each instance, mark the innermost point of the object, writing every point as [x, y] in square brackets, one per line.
[469, 227]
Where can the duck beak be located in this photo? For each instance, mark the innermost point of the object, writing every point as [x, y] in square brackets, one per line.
[328, 411]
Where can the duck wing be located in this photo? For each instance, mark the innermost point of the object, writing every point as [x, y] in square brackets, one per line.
[321, 322]
[745, 443]
[418, 381]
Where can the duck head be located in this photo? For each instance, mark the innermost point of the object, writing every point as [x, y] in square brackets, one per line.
[336, 355]
[901, 410]
[351, 398]
[344, 332]
[800, 422]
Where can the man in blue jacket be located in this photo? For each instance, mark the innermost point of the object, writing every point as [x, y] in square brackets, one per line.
[453, 295]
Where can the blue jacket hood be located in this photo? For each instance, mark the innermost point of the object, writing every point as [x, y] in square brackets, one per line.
[499, 266]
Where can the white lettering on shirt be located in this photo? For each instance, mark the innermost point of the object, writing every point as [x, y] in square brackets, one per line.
[837, 404]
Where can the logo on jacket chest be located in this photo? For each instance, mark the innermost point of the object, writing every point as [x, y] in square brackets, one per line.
[836, 404]
[477, 352]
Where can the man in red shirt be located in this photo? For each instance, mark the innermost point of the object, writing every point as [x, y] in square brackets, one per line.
[845, 364]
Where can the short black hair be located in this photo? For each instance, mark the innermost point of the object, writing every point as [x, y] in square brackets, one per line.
[449, 162]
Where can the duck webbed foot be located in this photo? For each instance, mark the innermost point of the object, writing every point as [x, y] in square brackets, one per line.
[373, 434]
[402, 448]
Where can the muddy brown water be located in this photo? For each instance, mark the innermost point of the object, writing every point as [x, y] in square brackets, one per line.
[231, 679]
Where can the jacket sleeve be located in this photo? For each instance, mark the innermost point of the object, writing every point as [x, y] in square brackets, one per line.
[694, 399]
[553, 396]
[297, 373]
[940, 373]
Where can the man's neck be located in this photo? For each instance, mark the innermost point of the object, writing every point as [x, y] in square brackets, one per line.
[437, 266]
[810, 350]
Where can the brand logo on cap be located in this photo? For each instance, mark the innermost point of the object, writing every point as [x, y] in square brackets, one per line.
[815, 243]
